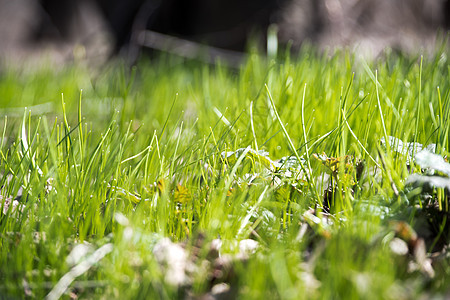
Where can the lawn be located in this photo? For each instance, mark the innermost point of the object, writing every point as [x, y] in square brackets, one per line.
[306, 176]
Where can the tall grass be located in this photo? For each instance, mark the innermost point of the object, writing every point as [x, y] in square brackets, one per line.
[139, 155]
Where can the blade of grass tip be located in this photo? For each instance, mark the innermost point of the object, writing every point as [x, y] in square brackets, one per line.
[148, 159]
[419, 106]
[5, 161]
[213, 137]
[221, 140]
[160, 157]
[168, 116]
[433, 118]
[96, 150]
[52, 153]
[8, 166]
[221, 116]
[291, 144]
[23, 137]
[304, 131]
[443, 123]
[359, 142]
[308, 179]
[67, 135]
[347, 91]
[381, 112]
[271, 109]
[66, 124]
[440, 122]
[187, 151]
[342, 116]
[24, 143]
[29, 128]
[205, 142]
[310, 121]
[33, 140]
[253, 131]
[138, 154]
[430, 135]
[174, 156]
[229, 180]
[372, 76]
[320, 139]
[131, 81]
[271, 137]
[4, 132]
[340, 136]
[69, 145]
[80, 130]
[122, 147]
[205, 159]
[338, 139]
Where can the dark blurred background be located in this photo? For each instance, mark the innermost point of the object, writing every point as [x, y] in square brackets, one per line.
[99, 29]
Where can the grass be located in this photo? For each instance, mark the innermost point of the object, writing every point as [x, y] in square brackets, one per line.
[287, 153]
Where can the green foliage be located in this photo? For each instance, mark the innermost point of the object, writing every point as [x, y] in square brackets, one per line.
[283, 179]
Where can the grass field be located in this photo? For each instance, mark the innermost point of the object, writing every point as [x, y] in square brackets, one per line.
[302, 177]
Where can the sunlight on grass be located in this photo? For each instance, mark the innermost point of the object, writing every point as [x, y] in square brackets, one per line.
[287, 178]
